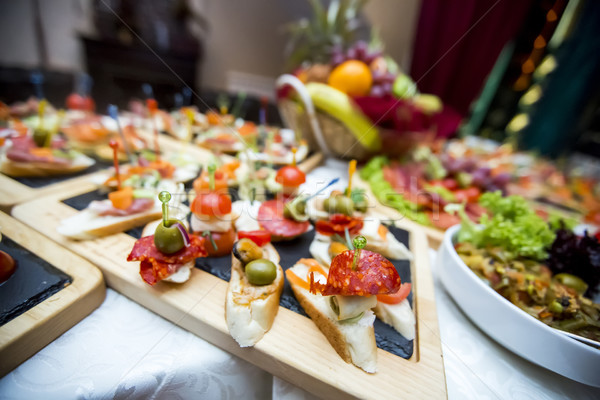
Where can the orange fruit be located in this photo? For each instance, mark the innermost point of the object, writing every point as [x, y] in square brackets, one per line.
[352, 77]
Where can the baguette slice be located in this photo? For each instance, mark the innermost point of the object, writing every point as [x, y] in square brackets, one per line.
[87, 225]
[400, 316]
[40, 169]
[249, 309]
[353, 341]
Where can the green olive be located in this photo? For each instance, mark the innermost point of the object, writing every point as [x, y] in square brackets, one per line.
[295, 210]
[361, 205]
[168, 239]
[329, 204]
[572, 281]
[555, 307]
[246, 250]
[40, 136]
[261, 272]
[339, 204]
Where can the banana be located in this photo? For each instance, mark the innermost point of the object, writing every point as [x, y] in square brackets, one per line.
[340, 106]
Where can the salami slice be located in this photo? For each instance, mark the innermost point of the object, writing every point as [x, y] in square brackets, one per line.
[442, 220]
[338, 223]
[270, 217]
[20, 151]
[156, 266]
[373, 275]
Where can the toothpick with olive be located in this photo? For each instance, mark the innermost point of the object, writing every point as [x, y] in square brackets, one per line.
[170, 235]
[40, 134]
[296, 209]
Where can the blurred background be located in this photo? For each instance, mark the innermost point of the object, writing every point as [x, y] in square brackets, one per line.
[522, 70]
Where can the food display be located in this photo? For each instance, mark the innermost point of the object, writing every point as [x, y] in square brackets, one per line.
[240, 222]
[339, 299]
[254, 290]
[39, 151]
[170, 252]
[523, 258]
[132, 204]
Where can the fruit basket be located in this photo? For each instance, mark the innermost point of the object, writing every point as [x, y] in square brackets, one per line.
[322, 131]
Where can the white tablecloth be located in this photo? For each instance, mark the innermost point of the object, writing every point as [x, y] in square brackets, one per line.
[124, 351]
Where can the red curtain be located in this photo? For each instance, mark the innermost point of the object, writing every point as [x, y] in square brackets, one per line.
[458, 42]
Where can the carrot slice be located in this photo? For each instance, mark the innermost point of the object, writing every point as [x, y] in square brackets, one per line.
[121, 199]
[295, 280]
[313, 266]
[42, 152]
[247, 129]
[382, 231]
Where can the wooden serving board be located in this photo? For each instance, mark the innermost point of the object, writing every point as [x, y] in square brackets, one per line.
[294, 349]
[14, 192]
[26, 334]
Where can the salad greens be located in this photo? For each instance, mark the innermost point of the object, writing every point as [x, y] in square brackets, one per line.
[514, 227]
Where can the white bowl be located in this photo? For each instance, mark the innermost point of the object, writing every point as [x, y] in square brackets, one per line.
[512, 327]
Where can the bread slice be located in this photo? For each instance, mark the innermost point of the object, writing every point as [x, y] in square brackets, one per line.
[40, 169]
[399, 316]
[353, 341]
[249, 309]
[86, 224]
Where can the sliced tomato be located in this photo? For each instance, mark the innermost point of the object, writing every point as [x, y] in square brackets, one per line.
[395, 298]
[224, 242]
[212, 204]
[260, 237]
[338, 223]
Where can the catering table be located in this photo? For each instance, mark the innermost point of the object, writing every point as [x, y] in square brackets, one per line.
[124, 351]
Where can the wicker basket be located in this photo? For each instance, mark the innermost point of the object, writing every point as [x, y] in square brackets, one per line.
[320, 130]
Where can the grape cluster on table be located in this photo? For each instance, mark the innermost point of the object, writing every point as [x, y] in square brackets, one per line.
[482, 176]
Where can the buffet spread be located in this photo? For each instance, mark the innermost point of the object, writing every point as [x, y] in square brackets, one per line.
[207, 219]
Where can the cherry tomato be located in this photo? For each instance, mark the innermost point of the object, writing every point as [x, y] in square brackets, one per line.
[395, 298]
[260, 237]
[224, 242]
[77, 102]
[212, 204]
[290, 176]
[7, 266]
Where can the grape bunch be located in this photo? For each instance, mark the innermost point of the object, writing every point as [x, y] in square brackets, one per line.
[383, 81]
[359, 51]
[479, 176]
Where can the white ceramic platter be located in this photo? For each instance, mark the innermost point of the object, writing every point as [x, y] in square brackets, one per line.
[512, 327]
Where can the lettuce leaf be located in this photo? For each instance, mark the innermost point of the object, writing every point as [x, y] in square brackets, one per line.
[514, 226]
